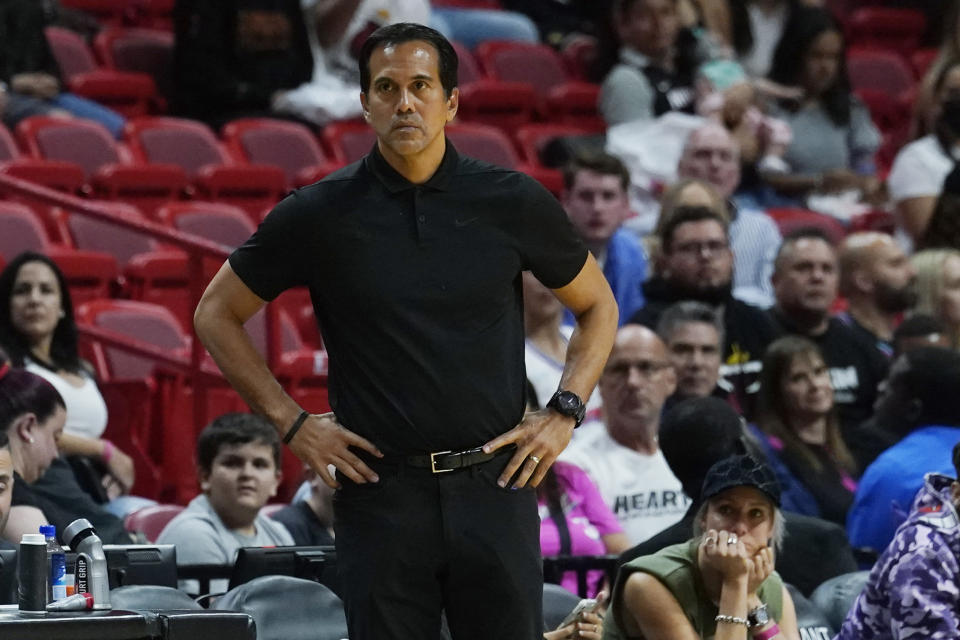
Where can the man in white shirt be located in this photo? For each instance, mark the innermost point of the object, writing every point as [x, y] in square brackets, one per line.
[621, 454]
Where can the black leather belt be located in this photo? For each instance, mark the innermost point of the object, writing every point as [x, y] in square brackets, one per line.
[444, 461]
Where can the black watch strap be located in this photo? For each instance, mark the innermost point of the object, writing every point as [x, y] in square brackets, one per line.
[569, 404]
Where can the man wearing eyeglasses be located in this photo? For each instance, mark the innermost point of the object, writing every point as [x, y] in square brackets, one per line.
[696, 263]
[621, 454]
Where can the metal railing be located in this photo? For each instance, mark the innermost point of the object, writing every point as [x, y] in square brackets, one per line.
[196, 249]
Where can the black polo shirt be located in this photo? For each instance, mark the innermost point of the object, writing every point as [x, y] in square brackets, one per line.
[417, 292]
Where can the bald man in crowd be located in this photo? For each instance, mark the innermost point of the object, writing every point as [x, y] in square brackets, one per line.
[877, 278]
[621, 454]
[712, 155]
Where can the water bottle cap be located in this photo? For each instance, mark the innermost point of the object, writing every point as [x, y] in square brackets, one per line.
[33, 538]
[48, 530]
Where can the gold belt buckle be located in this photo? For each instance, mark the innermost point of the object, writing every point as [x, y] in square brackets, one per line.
[433, 462]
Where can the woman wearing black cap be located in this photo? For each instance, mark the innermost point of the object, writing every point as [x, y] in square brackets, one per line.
[720, 584]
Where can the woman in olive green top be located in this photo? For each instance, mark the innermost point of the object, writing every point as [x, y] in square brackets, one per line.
[721, 584]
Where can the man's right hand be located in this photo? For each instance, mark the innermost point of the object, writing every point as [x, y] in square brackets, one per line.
[322, 441]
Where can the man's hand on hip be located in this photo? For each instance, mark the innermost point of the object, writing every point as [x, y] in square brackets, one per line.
[540, 437]
[321, 441]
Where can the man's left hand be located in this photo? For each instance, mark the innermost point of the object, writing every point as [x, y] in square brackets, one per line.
[540, 437]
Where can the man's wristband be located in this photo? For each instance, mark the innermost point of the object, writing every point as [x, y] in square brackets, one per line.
[769, 633]
[296, 426]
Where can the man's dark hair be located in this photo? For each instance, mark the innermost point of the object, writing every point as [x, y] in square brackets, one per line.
[687, 312]
[684, 214]
[697, 433]
[401, 32]
[802, 233]
[598, 162]
[235, 429]
[63, 348]
[932, 378]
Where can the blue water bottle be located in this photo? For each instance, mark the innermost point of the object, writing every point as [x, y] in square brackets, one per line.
[57, 561]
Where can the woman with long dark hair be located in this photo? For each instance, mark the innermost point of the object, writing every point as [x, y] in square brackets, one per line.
[799, 429]
[38, 332]
[834, 139]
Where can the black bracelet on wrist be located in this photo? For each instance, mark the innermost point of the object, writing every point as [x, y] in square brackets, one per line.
[296, 426]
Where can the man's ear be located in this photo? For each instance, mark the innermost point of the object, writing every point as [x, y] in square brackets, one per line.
[204, 477]
[363, 105]
[863, 280]
[453, 103]
[279, 476]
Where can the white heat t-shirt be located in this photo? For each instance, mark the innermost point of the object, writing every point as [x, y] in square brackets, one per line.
[640, 489]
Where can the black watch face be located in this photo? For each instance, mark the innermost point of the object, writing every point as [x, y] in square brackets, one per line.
[568, 401]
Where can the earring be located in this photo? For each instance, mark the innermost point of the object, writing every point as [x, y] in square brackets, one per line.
[30, 440]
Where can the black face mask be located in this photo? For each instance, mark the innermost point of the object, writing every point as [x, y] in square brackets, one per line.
[950, 114]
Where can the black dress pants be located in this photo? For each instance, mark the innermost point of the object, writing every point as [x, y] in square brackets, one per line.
[416, 543]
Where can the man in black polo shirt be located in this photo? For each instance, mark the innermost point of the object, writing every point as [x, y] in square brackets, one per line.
[413, 257]
[696, 264]
[805, 281]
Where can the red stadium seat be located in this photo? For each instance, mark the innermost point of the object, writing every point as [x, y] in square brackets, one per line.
[60, 176]
[96, 235]
[541, 67]
[110, 171]
[152, 14]
[151, 520]
[148, 51]
[149, 323]
[788, 219]
[488, 101]
[216, 221]
[214, 172]
[279, 143]
[492, 145]
[21, 230]
[532, 139]
[105, 11]
[580, 54]
[131, 94]
[494, 102]
[888, 28]
[921, 59]
[90, 275]
[348, 141]
[879, 70]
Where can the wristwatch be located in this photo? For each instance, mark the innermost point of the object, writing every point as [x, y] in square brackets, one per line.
[569, 404]
[758, 617]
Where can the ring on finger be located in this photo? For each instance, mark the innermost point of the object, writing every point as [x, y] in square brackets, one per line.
[732, 539]
[535, 459]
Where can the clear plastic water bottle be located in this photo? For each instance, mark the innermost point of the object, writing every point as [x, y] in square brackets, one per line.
[57, 561]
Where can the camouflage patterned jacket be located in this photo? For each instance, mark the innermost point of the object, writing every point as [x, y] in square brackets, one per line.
[912, 591]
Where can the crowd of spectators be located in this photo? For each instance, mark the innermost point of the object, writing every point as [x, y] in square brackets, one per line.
[828, 357]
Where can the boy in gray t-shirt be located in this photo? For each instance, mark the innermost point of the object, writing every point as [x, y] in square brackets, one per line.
[238, 458]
